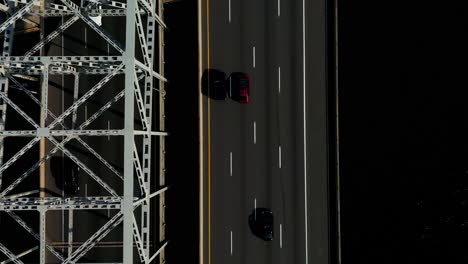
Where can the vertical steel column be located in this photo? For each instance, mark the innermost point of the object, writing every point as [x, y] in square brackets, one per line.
[3, 107]
[162, 140]
[70, 232]
[7, 45]
[127, 203]
[148, 100]
[76, 87]
[44, 95]
[42, 234]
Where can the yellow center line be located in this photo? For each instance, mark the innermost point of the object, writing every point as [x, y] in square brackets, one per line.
[209, 127]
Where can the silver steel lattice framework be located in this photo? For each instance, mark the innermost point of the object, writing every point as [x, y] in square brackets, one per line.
[142, 72]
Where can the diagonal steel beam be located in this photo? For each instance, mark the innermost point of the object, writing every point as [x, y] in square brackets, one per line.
[158, 252]
[34, 234]
[10, 254]
[8, 41]
[19, 195]
[27, 146]
[102, 110]
[85, 97]
[147, 139]
[22, 254]
[99, 157]
[139, 242]
[19, 110]
[83, 166]
[51, 36]
[17, 15]
[96, 237]
[143, 67]
[152, 12]
[139, 172]
[141, 105]
[4, 83]
[19, 154]
[75, 8]
[54, 150]
[141, 37]
[140, 201]
[89, 148]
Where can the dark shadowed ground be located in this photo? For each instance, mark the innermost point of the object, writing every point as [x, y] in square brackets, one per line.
[182, 124]
[403, 132]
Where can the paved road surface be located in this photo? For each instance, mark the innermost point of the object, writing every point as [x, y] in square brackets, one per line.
[266, 137]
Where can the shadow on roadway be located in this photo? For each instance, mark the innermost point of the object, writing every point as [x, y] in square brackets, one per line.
[182, 124]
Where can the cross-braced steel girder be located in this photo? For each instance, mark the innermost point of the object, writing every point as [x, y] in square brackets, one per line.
[126, 184]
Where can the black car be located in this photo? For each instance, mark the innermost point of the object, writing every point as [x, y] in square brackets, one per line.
[214, 84]
[261, 223]
[65, 172]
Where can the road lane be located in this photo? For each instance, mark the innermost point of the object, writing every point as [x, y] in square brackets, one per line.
[265, 40]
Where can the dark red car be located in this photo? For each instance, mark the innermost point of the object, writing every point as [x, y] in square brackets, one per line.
[239, 87]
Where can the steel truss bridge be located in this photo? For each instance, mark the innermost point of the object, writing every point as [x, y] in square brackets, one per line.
[133, 72]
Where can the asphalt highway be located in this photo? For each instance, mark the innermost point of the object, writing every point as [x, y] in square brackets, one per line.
[271, 152]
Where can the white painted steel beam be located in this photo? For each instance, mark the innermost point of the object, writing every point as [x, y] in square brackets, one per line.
[8, 42]
[42, 236]
[10, 254]
[96, 237]
[54, 150]
[139, 242]
[139, 171]
[150, 10]
[94, 26]
[52, 35]
[34, 234]
[142, 18]
[127, 203]
[152, 195]
[19, 14]
[158, 252]
[22, 254]
[152, 133]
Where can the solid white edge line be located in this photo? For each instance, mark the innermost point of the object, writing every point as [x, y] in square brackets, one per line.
[255, 209]
[230, 163]
[279, 157]
[86, 37]
[255, 132]
[281, 236]
[279, 7]
[229, 11]
[279, 79]
[231, 242]
[253, 52]
[305, 133]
